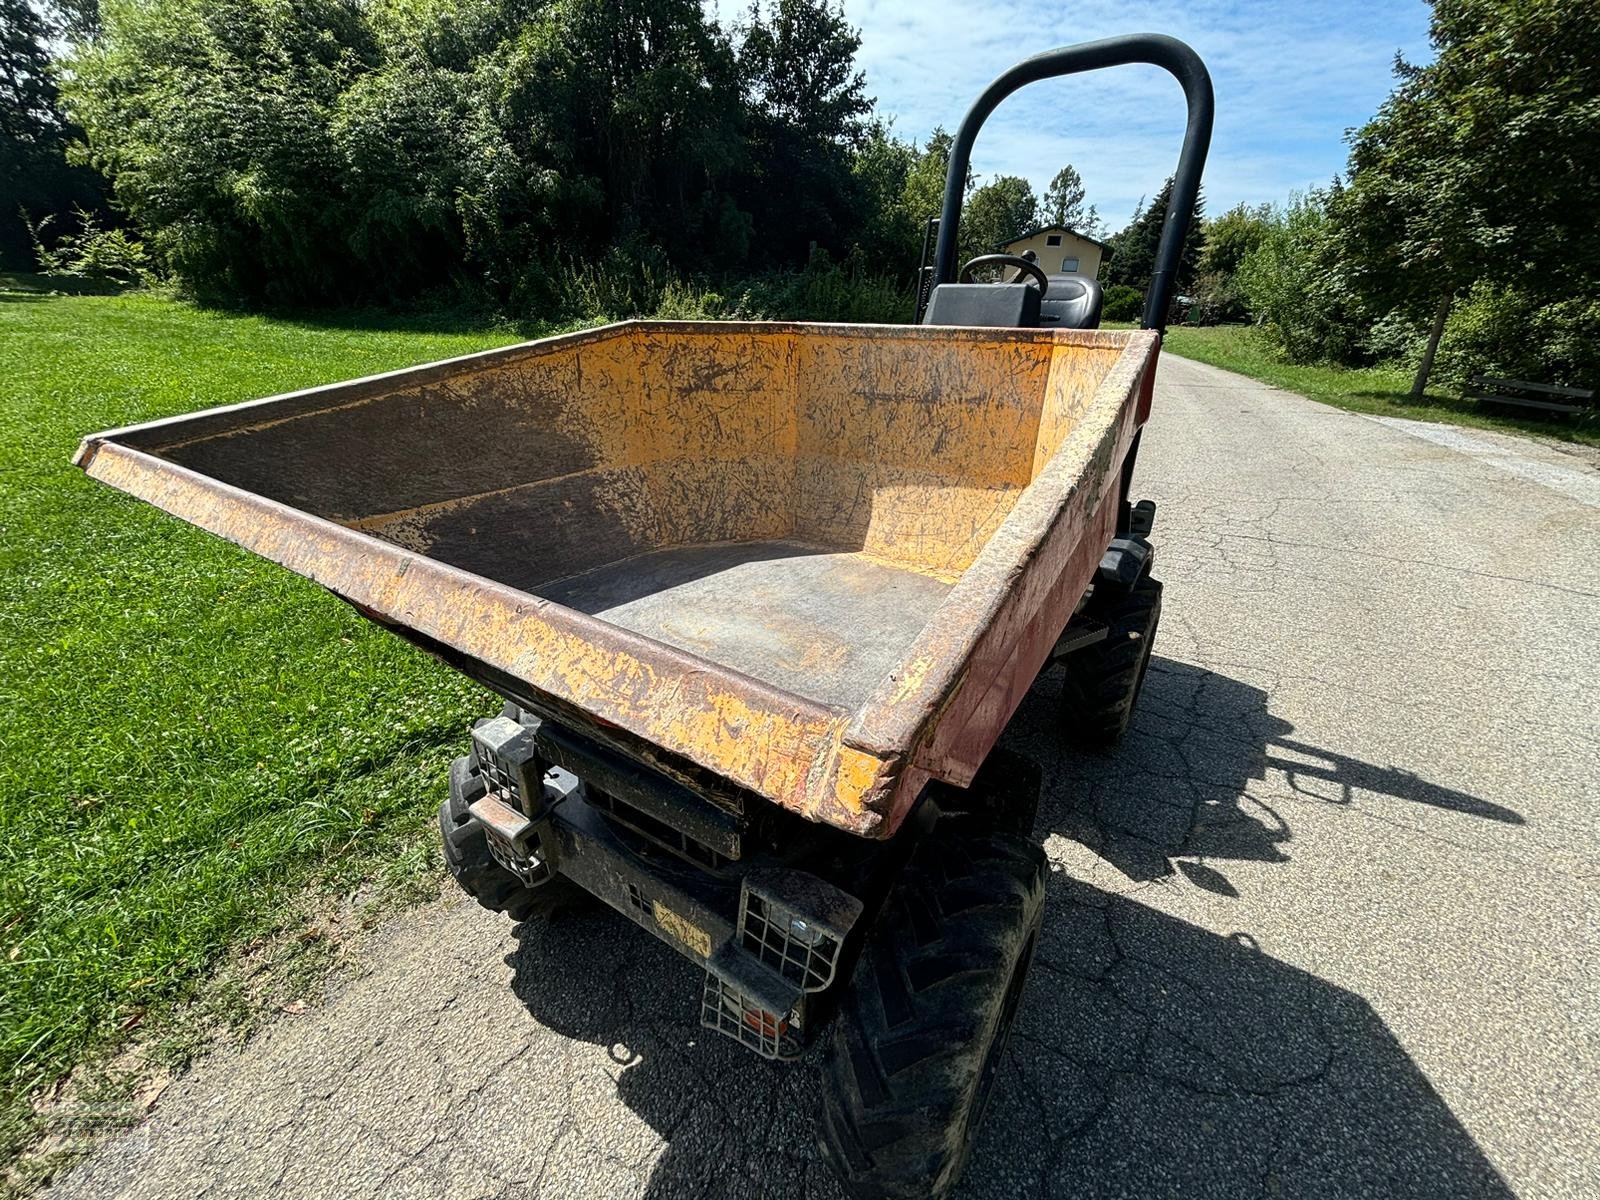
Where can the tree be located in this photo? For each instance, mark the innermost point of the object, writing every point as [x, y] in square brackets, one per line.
[213, 122]
[318, 151]
[1133, 250]
[889, 231]
[901, 186]
[1063, 199]
[1229, 239]
[324, 151]
[1295, 287]
[34, 174]
[799, 65]
[808, 106]
[79, 20]
[1481, 165]
[924, 191]
[998, 211]
[28, 115]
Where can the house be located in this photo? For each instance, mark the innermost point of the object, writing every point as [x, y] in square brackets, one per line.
[1059, 250]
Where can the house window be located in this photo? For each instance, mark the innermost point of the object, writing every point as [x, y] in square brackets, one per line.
[1052, 239]
[1069, 265]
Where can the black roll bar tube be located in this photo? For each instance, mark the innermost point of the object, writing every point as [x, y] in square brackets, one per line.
[1153, 48]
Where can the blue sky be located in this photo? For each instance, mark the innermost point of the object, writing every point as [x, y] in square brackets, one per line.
[1290, 78]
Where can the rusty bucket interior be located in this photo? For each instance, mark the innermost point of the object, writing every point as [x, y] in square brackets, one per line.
[791, 503]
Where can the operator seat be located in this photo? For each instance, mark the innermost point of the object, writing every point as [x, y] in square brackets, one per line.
[1073, 302]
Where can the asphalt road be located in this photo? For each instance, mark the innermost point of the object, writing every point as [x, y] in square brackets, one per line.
[1325, 926]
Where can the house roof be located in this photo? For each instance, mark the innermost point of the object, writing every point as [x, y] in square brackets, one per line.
[1022, 237]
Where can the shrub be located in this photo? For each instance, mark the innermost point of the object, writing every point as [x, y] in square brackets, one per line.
[1501, 331]
[1123, 303]
[1294, 285]
[318, 151]
[827, 291]
[1396, 339]
[626, 281]
[330, 152]
[92, 253]
[637, 281]
[1213, 300]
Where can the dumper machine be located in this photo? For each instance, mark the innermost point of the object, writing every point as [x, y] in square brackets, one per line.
[759, 599]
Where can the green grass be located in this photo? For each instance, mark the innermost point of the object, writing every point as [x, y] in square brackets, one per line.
[1380, 390]
[191, 736]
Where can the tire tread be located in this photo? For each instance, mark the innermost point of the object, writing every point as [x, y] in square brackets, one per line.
[916, 1021]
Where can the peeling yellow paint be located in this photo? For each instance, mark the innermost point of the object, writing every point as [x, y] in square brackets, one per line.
[857, 777]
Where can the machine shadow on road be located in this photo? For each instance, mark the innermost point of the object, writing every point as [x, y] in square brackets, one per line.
[1150, 1057]
[1188, 787]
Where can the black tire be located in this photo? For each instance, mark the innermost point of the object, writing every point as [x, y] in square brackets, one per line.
[1103, 681]
[467, 857]
[1004, 794]
[923, 1022]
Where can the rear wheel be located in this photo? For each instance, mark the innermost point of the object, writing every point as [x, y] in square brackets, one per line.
[1004, 794]
[1103, 681]
[467, 857]
[923, 1023]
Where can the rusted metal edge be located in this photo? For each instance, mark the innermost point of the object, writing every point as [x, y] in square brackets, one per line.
[222, 420]
[780, 745]
[1091, 338]
[946, 709]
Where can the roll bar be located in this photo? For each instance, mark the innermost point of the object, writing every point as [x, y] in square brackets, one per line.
[1153, 48]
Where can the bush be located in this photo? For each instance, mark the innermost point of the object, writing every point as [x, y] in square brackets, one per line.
[827, 291]
[316, 151]
[327, 152]
[1294, 286]
[1213, 300]
[92, 253]
[1122, 303]
[1396, 339]
[639, 282]
[1501, 331]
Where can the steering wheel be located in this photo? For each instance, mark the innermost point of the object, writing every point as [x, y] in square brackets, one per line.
[1006, 260]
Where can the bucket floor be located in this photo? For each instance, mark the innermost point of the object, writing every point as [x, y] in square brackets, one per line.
[825, 625]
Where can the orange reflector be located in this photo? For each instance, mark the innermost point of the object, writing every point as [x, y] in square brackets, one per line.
[765, 1023]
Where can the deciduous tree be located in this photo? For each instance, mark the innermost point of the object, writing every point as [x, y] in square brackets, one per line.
[1063, 199]
[808, 109]
[998, 211]
[1481, 165]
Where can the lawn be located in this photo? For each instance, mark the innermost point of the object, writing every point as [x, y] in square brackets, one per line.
[1380, 390]
[191, 736]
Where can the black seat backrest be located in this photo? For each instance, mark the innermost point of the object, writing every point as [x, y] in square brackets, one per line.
[1003, 305]
[1073, 302]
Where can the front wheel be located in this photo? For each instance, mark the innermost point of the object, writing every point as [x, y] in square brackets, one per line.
[467, 857]
[1103, 681]
[923, 1023]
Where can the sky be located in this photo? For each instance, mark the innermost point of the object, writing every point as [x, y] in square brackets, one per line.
[1290, 79]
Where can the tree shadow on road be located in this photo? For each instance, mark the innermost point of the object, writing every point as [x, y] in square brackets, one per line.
[1151, 1057]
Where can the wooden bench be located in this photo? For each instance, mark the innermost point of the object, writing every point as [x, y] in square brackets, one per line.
[1519, 393]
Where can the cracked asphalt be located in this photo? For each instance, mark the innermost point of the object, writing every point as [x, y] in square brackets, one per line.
[1326, 925]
